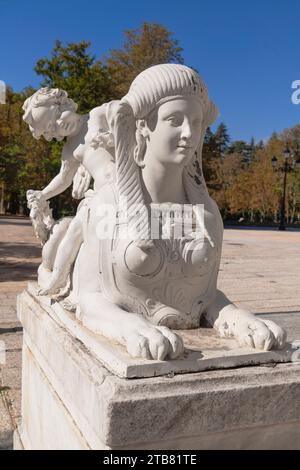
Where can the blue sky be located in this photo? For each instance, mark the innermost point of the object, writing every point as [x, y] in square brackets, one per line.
[247, 52]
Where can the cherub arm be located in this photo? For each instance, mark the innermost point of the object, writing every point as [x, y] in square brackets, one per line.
[40, 213]
[64, 179]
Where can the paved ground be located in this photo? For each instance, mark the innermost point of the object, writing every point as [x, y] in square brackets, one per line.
[19, 260]
[260, 270]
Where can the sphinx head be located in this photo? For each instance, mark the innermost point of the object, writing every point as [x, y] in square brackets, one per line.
[172, 109]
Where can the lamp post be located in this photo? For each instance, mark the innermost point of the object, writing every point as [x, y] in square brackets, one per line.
[290, 164]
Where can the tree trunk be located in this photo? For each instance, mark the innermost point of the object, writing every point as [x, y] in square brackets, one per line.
[2, 207]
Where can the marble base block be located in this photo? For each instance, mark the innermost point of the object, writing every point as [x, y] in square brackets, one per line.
[71, 400]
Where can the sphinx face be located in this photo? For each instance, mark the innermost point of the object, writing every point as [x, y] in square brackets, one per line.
[176, 135]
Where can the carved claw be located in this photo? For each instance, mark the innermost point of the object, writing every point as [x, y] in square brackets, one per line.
[256, 333]
[154, 342]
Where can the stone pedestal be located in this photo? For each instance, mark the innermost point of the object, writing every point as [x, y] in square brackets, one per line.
[70, 400]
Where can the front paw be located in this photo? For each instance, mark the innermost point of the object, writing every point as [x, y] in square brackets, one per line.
[278, 332]
[260, 334]
[154, 342]
[253, 332]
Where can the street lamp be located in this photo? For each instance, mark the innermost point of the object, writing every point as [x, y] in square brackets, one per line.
[289, 166]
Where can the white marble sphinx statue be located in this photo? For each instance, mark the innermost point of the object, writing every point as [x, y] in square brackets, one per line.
[143, 154]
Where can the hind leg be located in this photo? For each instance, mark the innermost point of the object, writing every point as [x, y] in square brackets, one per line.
[50, 249]
[65, 256]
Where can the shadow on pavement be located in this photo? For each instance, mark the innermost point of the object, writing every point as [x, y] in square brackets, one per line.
[19, 250]
[12, 271]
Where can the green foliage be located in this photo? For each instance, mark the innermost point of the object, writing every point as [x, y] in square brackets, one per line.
[24, 162]
[222, 139]
[76, 71]
[247, 150]
[152, 44]
[239, 174]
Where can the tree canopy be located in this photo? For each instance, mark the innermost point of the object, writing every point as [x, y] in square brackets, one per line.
[76, 71]
[239, 174]
[152, 44]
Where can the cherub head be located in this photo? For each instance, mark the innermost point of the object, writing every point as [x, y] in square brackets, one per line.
[49, 112]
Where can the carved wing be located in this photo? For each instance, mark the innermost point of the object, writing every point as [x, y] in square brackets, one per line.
[81, 182]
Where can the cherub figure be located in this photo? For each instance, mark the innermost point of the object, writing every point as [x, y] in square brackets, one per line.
[88, 153]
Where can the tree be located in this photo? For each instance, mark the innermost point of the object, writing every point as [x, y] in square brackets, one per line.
[150, 45]
[244, 149]
[239, 174]
[76, 71]
[24, 162]
[210, 161]
[291, 137]
[222, 139]
[255, 192]
[274, 136]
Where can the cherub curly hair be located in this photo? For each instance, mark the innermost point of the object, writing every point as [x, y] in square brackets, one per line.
[48, 96]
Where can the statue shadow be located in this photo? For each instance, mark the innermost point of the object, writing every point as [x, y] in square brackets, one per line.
[15, 221]
[16, 271]
[19, 250]
[19, 261]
